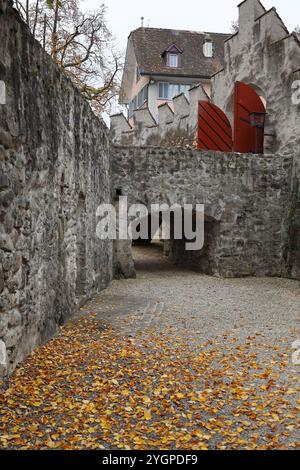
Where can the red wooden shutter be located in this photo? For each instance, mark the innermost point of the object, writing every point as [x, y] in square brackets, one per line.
[214, 129]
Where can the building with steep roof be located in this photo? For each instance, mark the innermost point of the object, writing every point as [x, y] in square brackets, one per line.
[162, 63]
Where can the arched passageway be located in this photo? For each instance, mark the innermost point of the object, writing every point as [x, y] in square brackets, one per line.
[163, 248]
[231, 186]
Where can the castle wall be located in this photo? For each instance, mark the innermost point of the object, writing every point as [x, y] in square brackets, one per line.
[176, 126]
[57, 167]
[294, 225]
[54, 158]
[263, 54]
[249, 199]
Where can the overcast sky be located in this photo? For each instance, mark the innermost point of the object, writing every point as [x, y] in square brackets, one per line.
[198, 15]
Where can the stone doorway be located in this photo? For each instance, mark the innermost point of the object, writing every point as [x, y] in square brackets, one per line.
[174, 250]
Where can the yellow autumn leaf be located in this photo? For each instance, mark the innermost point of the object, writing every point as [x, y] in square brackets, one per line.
[147, 415]
[146, 400]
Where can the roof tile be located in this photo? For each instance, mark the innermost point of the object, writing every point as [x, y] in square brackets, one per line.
[150, 44]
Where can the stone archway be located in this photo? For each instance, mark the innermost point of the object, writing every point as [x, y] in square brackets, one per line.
[229, 106]
[202, 260]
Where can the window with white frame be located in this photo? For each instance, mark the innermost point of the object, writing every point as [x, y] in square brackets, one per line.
[163, 91]
[208, 48]
[140, 99]
[173, 60]
[167, 91]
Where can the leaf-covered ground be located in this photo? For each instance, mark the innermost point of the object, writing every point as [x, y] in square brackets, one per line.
[90, 388]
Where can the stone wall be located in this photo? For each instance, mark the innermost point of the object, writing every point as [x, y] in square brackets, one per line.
[248, 202]
[54, 156]
[265, 55]
[294, 225]
[57, 166]
[177, 124]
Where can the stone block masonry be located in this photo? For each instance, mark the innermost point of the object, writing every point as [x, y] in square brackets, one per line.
[54, 156]
[57, 165]
[176, 126]
[248, 201]
[266, 56]
[294, 225]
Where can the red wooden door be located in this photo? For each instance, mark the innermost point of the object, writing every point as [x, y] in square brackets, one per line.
[247, 101]
[214, 129]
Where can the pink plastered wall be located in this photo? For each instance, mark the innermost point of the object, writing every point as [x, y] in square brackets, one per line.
[137, 86]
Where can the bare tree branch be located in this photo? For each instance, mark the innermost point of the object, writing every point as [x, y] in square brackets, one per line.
[36, 13]
[81, 45]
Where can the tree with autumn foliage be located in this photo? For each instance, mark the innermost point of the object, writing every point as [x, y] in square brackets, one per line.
[79, 43]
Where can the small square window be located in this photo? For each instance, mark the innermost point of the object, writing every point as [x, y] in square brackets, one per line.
[163, 91]
[208, 49]
[173, 60]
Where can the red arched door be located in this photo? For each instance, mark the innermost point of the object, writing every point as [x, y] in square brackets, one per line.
[247, 139]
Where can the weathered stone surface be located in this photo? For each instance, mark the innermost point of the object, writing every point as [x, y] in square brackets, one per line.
[6, 243]
[13, 336]
[2, 153]
[293, 252]
[1, 279]
[176, 128]
[123, 261]
[57, 167]
[6, 198]
[54, 157]
[4, 182]
[5, 139]
[3, 359]
[247, 200]
[122, 256]
[3, 323]
[266, 56]
[14, 318]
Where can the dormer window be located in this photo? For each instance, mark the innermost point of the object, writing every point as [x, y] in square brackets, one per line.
[208, 48]
[172, 60]
[172, 56]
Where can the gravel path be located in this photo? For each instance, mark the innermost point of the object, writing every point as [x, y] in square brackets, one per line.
[245, 326]
[198, 306]
[191, 362]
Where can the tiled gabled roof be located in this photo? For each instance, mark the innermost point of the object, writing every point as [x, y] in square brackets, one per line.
[150, 43]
